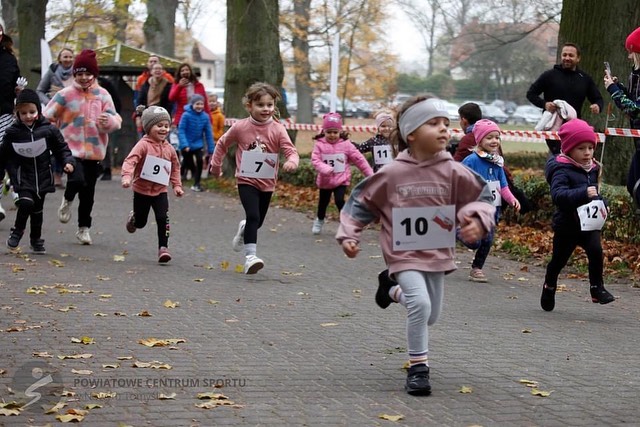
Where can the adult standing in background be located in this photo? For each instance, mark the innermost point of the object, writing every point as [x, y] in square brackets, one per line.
[567, 82]
[140, 81]
[186, 85]
[628, 100]
[9, 73]
[155, 91]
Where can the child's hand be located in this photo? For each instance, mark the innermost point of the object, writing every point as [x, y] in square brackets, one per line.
[471, 229]
[178, 191]
[103, 120]
[68, 168]
[516, 205]
[215, 171]
[592, 192]
[185, 149]
[289, 166]
[350, 248]
[126, 183]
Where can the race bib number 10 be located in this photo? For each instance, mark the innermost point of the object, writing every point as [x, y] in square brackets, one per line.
[431, 227]
[255, 164]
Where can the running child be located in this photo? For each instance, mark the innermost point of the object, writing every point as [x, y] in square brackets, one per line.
[487, 162]
[150, 166]
[418, 199]
[332, 157]
[259, 140]
[574, 177]
[194, 129]
[26, 154]
[379, 145]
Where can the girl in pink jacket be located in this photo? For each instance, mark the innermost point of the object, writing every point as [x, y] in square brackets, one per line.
[332, 157]
[419, 198]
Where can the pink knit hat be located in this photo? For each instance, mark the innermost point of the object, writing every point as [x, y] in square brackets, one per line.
[332, 121]
[633, 41]
[575, 132]
[482, 128]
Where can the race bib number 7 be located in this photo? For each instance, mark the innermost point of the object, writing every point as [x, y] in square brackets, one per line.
[431, 227]
[255, 164]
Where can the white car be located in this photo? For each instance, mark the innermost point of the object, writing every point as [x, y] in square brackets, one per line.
[526, 114]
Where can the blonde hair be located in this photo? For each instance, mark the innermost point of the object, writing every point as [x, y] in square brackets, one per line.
[636, 60]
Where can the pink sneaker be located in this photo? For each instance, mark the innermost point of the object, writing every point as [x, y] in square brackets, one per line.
[163, 255]
[477, 275]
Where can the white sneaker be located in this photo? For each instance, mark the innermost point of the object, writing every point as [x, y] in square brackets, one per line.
[317, 226]
[3, 214]
[83, 235]
[64, 211]
[253, 264]
[238, 239]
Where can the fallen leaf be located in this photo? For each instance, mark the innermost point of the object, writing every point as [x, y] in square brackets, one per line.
[111, 366]
[84, 340]
[464, 389]
[144, 313]
[529, 383]
[201, 249]
[92, 406]
[328, 324]
[212, 301]
[239, 268]
[103, 278]
[391, 417]
[56, 263]
[54, 409]
[42, 354]
[106, 296]
[198, 280]
[76, 356]
[67, 393]
[153, 365]
[36, 291]
[224, 265]
[99, 314]
[72, 415]
[119, 313]
[124, 357]
[17, 269]
[163, 396]
[9, 412]
[118, 258]
[170, 304]
[522, 279]
[526, 331]
[211, 395]
[104, 394]
[81, 371]
[154, 342]
[540, 393]
[67, 308]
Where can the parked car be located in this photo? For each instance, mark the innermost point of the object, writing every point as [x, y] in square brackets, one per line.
[494, 113]
[526, 114]
[506, 106]
[452, 109]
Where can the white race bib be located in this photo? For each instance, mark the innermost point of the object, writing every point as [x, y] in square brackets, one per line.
[336, 161]
[592, 215]
[30, 149]
[382, 154]
[255, 164]
[156, 169]
[494, 187]
[432, 227]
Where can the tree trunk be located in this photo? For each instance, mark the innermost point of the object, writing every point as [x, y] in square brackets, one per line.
[159, 33]
[619, 18]
[253, 55]
[10, 16]
[31, 20]
[120, 19]
[302, 65]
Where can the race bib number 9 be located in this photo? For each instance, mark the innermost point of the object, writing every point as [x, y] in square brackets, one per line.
[156, 169]
[255, 164]
[336, 161]
[382, 154]
[424, 228]
[30, 149]
[592, 215]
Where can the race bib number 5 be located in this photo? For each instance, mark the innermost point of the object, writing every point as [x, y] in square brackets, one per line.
[156, 169]
[592, 215]
[424, 228]
[254, 164]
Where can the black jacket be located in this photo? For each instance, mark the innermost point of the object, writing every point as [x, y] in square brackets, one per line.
[568, 85]
[164, 96]
[30, 173]
[569, 191]
[9, 73]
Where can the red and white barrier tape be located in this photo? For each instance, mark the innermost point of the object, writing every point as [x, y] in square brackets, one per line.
[515, 135]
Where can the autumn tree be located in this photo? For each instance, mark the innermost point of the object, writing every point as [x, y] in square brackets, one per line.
[619, 18]
[159, 27]
[31, 19]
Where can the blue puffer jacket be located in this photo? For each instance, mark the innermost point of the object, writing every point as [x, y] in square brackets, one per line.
[194, 129]
[569, 191]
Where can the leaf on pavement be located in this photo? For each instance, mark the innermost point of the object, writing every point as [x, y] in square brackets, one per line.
[104, 394]
[239, 268]
[224, 265]
[84, 340]
[541, 393]
[92, 406]
[118, 258]
[465, 389]
[526, 331]
[391, 417]
[82, 371]
[154, 342]
[56, 263]
[54, 409]
[105, 296]
[36, 290]
[111, 365]
[211, 395]
[144, 313]
[213, 302]
[75, 356]
[42, 354]
[124, 357]
[324, 325]
[199, 279]
[170, 304]
[163, 396]
[528, 383]
[99, 314]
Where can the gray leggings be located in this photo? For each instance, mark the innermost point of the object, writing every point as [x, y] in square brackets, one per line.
[423, 293]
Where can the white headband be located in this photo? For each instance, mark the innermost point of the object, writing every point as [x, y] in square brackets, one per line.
[419, 113]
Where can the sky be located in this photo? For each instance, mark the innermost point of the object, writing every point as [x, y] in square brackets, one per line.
[404, 39]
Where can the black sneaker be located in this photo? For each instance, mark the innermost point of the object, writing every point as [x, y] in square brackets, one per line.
[600, 295]
[37, 246]
[418, 380]
[548, 298]
[14, 238]
[385, 283]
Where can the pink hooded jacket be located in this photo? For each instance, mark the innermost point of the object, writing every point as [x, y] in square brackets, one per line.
[132, 166]
[407, 183]
[327, 178]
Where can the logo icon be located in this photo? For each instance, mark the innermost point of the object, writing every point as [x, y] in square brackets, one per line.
[37, 385]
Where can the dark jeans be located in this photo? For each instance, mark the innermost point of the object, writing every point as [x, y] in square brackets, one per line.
[564, 243]
[255, 204]
[30, 205]
[84, 185]
[193, 162]
[325, 198]
[484, 246]
[160, 205]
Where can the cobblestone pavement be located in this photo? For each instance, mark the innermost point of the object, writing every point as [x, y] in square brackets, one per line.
[300, 343]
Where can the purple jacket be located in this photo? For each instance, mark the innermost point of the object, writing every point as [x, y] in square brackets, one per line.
[327, 178]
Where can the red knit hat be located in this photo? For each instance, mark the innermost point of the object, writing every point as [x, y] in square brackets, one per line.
[575, 132]
[86, 62]
[633, 41]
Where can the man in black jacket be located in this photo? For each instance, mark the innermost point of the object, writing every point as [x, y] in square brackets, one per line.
[567, 82]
